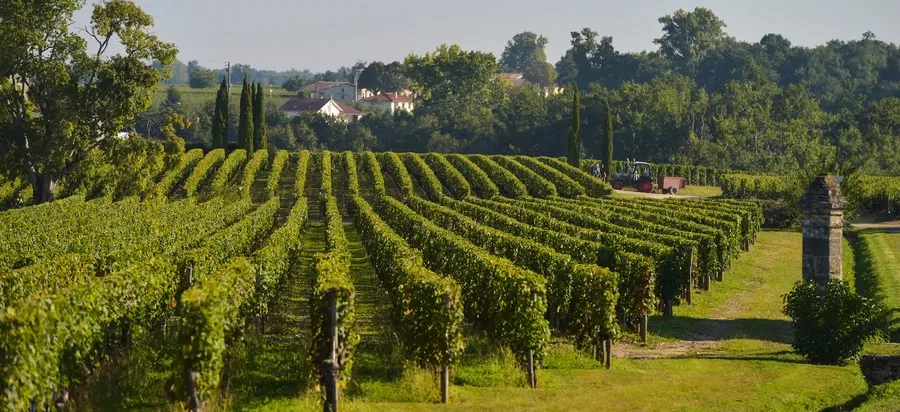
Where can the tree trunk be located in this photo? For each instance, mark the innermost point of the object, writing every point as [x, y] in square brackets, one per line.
[44, 187]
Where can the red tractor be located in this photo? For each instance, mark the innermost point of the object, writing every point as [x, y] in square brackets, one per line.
[638, 176]
[641, 178]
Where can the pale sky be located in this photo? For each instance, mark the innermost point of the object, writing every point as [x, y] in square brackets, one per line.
[322, 35]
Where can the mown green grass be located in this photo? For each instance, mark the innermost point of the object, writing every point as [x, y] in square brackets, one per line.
[884, 246]
[746, 362]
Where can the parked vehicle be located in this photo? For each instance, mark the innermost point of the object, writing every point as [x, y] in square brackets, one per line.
[640, 176]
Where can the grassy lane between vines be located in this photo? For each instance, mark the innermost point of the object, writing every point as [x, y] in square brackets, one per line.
[378, 361]
[275, 364]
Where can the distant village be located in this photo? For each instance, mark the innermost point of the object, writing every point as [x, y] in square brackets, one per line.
[337, 99]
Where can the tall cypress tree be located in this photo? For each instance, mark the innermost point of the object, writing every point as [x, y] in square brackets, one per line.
[259, 118]
[245, 123]
[220, 118]
[573, 155]
[609, 141]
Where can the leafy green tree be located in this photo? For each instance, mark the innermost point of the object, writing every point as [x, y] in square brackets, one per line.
[542, 74]
[173, 96]
[688, 37]
[220, 117]
[178, 70]
[260, 139]
[245, 122]
[294, 84]
[202, 78]
[523, 51]
[379, 77]
[574, 148]
[371, 77]
[608, 145]
[62, 101]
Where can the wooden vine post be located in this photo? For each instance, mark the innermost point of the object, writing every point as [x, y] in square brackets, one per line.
[643, 327]
[690, 284]
[260, 321]
[332, 371]
[532, 372]
[193, 398]
[191, 376]
[445, 369]
[608, 353]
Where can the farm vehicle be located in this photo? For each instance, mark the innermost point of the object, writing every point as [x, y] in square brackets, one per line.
[640, 176]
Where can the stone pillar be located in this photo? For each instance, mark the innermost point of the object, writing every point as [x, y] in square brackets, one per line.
[823, 227]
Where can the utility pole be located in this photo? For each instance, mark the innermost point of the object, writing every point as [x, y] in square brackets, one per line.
[228, 71]
[356, 84]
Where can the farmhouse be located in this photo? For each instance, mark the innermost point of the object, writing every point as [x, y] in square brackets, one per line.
[388, 102]
[339, 91]
[328, 107]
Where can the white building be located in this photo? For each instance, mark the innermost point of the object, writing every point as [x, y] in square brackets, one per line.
[389, 102]
[339, 91]
[328, 107]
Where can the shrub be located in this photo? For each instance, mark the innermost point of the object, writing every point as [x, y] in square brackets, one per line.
[830, 326]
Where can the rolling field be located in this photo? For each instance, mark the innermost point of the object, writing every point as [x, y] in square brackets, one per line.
[219, 286]
[196, 98]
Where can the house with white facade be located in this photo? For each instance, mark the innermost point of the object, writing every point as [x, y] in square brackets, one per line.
[324, 106]
[388, 102]
[339, 91]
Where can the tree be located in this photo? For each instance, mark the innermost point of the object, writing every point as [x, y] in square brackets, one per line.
[523, 51]
[573, 155]
[62, 102]
[178, 70]
[173, 96]
[458, 89]
[220, 119]
[608, 146]
[371, 77]
[689, 36]
[202, 78]
[294, 84]
[259, 119]
[379, 77]
[542, 74]
[245, 123]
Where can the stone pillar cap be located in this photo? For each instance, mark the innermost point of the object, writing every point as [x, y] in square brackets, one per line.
[823, 193]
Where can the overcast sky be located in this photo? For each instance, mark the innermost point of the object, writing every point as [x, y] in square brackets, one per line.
[322, 35]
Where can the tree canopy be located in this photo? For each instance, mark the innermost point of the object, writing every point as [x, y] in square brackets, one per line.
[66, 96]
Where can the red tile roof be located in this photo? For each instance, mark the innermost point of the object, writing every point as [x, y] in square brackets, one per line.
[387, 97]
[299, 104]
